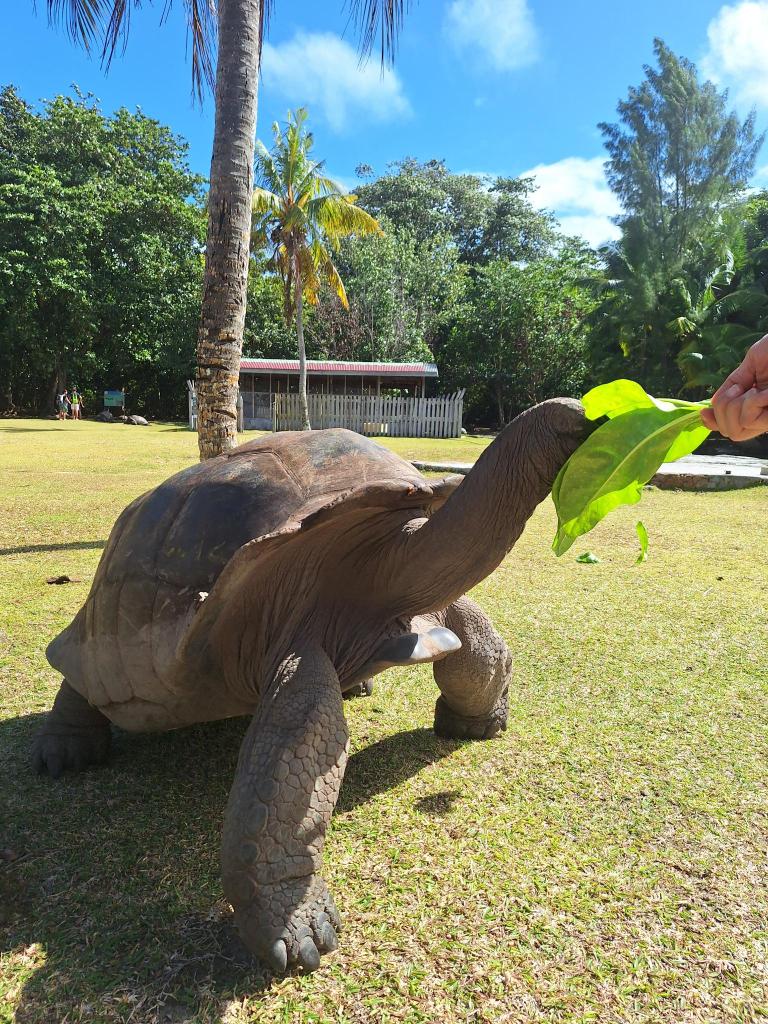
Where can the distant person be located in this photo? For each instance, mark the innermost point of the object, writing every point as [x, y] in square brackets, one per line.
[740, 405]
[62, 404]
[76, 401]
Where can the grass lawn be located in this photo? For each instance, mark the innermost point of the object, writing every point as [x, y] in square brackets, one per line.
[604, 861]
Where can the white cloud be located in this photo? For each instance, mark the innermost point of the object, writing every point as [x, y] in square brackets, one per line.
[500, 31]
[324, 73]
[576, 190]
[738, 44]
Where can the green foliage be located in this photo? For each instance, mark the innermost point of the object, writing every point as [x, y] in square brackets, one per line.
[486, 219]
[618, 458]
[101, 230]
[403, 292]
[266, 333]
[520, 335]
[419, 291]
[733, 314]
[588, 558]
[642, 536]
[678, 157]
[301, 215]
[679, 161]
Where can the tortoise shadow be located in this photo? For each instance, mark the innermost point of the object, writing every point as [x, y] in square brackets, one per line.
[110, 879]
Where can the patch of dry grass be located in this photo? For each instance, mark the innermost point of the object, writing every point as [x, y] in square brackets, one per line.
[604, 861]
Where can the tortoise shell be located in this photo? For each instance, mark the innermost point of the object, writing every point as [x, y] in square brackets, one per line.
[169, 547]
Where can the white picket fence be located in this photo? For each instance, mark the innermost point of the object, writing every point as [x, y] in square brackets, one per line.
[374, 416]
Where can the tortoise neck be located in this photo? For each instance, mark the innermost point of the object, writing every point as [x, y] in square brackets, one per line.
[471, 534]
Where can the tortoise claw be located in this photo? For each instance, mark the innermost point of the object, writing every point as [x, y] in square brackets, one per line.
[309, 957]
[277, 957]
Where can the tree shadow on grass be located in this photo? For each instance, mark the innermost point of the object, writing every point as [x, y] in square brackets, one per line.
[27, 430]
[75, 545]
[109, 880]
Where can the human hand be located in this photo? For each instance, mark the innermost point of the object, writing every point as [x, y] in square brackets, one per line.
[740, 405]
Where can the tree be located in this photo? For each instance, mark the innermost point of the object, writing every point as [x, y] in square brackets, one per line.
[521, 336]
[403, 293]
[679, 161]
[486, 218]
[240, 32]
[678, 157]
[303, 215]
[101, 227]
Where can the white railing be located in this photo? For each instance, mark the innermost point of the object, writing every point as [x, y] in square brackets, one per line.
[374, 416]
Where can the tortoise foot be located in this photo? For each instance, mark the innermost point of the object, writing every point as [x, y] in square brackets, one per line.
[364, 689]
[74, 736]
[290, 924]
[69, 752]
[451, 725]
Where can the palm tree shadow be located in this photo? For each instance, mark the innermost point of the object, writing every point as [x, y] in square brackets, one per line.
[80, 545]
[110, 878]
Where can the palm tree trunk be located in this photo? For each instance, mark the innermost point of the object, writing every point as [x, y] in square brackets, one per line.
[305, 424]
[220, 338]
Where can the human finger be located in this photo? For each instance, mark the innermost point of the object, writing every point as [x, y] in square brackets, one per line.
[725, 409]
[732, 417]
[754, 411]
[708, 419]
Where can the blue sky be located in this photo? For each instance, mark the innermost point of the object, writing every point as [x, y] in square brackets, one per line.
[493, 86]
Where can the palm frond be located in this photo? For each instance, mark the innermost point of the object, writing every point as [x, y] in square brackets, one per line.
[201, 21]
[303, 213]
[337, 217]
[266, 202]
[83, 20]
[87, 21]
[333, 278]
[378, 18]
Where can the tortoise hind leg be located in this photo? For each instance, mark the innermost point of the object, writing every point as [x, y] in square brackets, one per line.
[474, 681]
[74, 735]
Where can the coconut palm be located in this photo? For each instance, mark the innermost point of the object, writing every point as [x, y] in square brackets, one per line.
[303, 215]
[240, 26]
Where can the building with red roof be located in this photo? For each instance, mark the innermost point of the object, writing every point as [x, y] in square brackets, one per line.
[261, 379]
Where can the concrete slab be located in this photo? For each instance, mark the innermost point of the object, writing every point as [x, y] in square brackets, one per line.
[712, 473]
[692, 473]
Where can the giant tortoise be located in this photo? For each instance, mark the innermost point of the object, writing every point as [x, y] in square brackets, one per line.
[269, 582]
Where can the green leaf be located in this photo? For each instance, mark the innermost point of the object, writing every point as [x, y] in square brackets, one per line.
[618, 397]
[642, 535]
[588, 558]
[610, 468]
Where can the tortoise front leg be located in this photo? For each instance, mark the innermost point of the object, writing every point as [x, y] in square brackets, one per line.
[474, 682]
[288, 779]
[74, 735]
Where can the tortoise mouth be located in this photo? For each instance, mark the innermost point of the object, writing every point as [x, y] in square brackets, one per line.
[415, 648]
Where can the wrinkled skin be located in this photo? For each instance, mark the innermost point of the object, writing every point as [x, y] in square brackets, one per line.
[373, 578]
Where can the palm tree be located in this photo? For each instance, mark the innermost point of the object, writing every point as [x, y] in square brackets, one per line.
[304, 215]
[240, 25]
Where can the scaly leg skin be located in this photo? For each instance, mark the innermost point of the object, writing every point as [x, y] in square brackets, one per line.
[474, 682]
[75, 735]
[288, 779]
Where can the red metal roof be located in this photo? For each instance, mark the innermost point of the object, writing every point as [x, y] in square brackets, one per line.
[332, 366]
